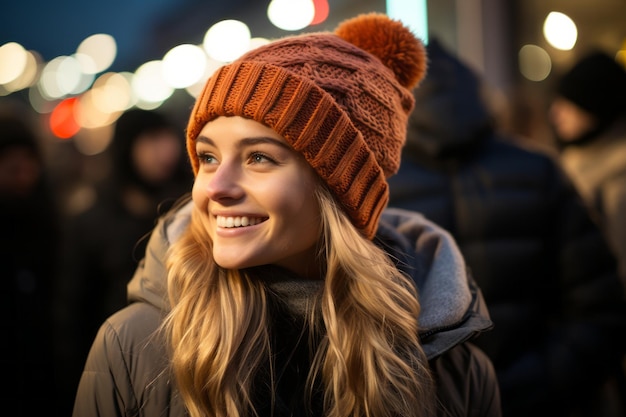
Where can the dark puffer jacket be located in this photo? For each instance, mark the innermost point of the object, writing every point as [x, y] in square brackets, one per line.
[126, 373]
[548, 278]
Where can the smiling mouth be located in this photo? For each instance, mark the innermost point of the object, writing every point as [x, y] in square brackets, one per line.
[243, 221]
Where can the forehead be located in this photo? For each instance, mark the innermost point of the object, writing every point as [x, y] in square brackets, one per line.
[237, 126]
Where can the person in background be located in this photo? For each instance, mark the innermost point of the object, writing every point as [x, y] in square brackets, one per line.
[28, 261]
[104, 243]
[548, 278]
[283, 288]
[588, 114]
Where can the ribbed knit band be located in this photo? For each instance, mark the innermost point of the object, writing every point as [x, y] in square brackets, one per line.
[311, 122]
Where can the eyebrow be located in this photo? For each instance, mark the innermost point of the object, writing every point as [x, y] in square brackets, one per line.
[249, 141]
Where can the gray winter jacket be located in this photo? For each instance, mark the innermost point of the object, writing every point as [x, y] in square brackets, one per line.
[127, 372]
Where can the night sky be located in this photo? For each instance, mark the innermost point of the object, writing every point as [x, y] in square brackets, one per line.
[55, 28]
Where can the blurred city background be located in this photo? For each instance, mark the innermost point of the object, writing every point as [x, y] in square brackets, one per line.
[107, 88]
[78, 65]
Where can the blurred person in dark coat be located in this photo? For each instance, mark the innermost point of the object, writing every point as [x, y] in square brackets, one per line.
[104, 243]
[549, 280]
[28, 243]
[588, 114]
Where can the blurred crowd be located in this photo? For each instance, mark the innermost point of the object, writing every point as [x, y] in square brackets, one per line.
[540, 256]
[543, 231]
[70, 245]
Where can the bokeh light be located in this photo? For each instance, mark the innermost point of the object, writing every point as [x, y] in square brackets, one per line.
[227, 40]
[28, 77]
[560, 31]
[63, 124]
[70, 76]
[211, 66]
[321, 11]
[48, 81]
[63, 76]
[101, 48]
[38, 101]
[105, 101]
[184, 65]
[534, 63]
[149, 86]
[291, 14]
[89, 114]
[87, 64]
[13, 60]
[414, 14]
[112, 92]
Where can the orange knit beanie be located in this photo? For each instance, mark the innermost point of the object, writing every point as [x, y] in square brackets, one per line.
[340, 99]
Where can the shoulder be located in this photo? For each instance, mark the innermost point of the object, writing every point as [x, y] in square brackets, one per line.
[134, 322]
[128, 358]
[128, 343]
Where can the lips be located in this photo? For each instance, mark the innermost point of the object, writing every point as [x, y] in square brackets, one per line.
[238, 221]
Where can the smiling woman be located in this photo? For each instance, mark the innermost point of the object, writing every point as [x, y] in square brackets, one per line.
[285, 287]
[248, 171]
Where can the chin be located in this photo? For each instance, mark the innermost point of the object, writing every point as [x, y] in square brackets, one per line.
[230, 263]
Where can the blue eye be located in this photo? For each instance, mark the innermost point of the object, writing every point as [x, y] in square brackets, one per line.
[206, 158]
[260, 158]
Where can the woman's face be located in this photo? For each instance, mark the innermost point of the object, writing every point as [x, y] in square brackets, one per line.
[259, 195]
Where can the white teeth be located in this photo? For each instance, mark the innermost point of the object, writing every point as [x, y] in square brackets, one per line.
[243, 221]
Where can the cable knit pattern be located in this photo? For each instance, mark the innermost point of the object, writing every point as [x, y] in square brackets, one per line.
[333, 102]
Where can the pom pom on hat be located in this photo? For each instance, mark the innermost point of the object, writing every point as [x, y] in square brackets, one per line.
[391, 42]
[341, 99]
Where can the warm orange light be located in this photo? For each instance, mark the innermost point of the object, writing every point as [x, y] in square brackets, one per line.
[321, 11]
[62, 122]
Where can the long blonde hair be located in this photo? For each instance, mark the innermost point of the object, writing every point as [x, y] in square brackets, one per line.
[369, 361]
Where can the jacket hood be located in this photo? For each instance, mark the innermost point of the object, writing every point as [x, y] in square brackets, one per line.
[452, 308]
[450, 114]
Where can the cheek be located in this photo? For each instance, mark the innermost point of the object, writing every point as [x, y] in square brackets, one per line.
[198, 193]
[300, 205]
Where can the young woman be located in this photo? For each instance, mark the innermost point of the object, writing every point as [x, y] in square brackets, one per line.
[282, 288]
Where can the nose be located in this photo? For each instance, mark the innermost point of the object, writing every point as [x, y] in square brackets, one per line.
[224, 183]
